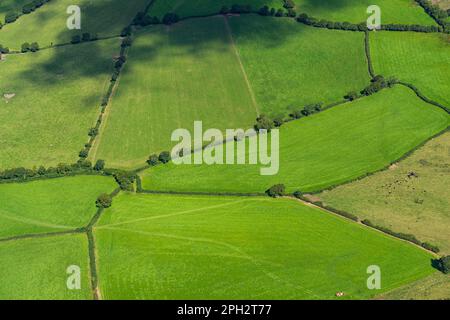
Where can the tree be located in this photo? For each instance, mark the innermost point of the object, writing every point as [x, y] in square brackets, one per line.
[277, 190]
[170, 18]
[263, 122]
[352, 95]
[86, 36]
[25, 47]
[76, 39]
[99, 165]
[153, 160]
[164, 157]
[104, 201]
[34, 47]
[444, 264]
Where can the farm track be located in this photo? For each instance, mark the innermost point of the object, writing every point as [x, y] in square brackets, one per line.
[89, 229]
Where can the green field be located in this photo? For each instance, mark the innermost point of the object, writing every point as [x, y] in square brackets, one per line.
[175, 76]
[50, 205]
[178, 247]
[57, 96]
[411, 205]
[420, 59]
[329, 148]
[36, 268]
[392, 11]
[189, 8]
[48, 24]
[290, 65]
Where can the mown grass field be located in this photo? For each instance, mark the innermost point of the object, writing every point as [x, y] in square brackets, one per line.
[56, 99]
[290, 65]
[420, 59]
[326, 149]
[175, 75]
[392, 11]
[50, 205]
[190, 8]
[36, 268]
[48, 24]
[179, 247]
[418, 206]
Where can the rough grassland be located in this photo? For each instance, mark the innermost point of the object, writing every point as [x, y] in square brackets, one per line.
[411, 205]
[392, 11]
[420, 59]
[290, 65]
[57, 99]
[178, 247]
[189, 8]
[175, 75]
[36, 268]
[329, 148]
[50, 205]
[48, 24]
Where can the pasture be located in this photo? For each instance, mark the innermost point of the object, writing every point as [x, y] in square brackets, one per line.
[416, 205]
[7, 6]
[175, 75]
[290, 65]
[322, 150]
[36, 268]
[49, 100]
[47, 25]
[392, 11]
[180, 247]
[50, 205]
[417, 58]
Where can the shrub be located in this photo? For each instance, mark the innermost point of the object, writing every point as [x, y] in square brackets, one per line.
[164, 157]
[3, 49]
[34, 47]
[25, 47]
[99, 165]
[103, 201]
[76, 39]
[263, 122]
[351, 96]
[11, 17]
[289, 4]
[170, 18]
[86, 36]
[277, 190]
[224, 10]
[153, 160]
[125, 180]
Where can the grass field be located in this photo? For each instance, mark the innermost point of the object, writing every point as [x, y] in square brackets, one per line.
[50, 205]
[392, 11]
[101, 17]
[175, 75]
[178, 247]
[411, 205]
[36, 268]
[189, 8]
[57, 99]
[420, 59]
[329, 148]
[290, 65]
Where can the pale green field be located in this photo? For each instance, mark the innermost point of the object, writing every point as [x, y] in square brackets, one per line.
[48, 24]
[50, 205]
[175, 75]
[392, 11]
[189, 8]
[291, 65]
[326, 149]
[419, 206]
[179, 247]
[417, 58]
[36, 268]
[57, 99]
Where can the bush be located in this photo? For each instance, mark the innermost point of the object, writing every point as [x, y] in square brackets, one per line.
[99, 165]
[3, 49]
[25, 47]
[76, 39]
[11, 17]
[164, 157]
[277, 190]
[34, 47]
[153, 160]
[351, 96]
[104, 201]
[125, 180]
[86, 36]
